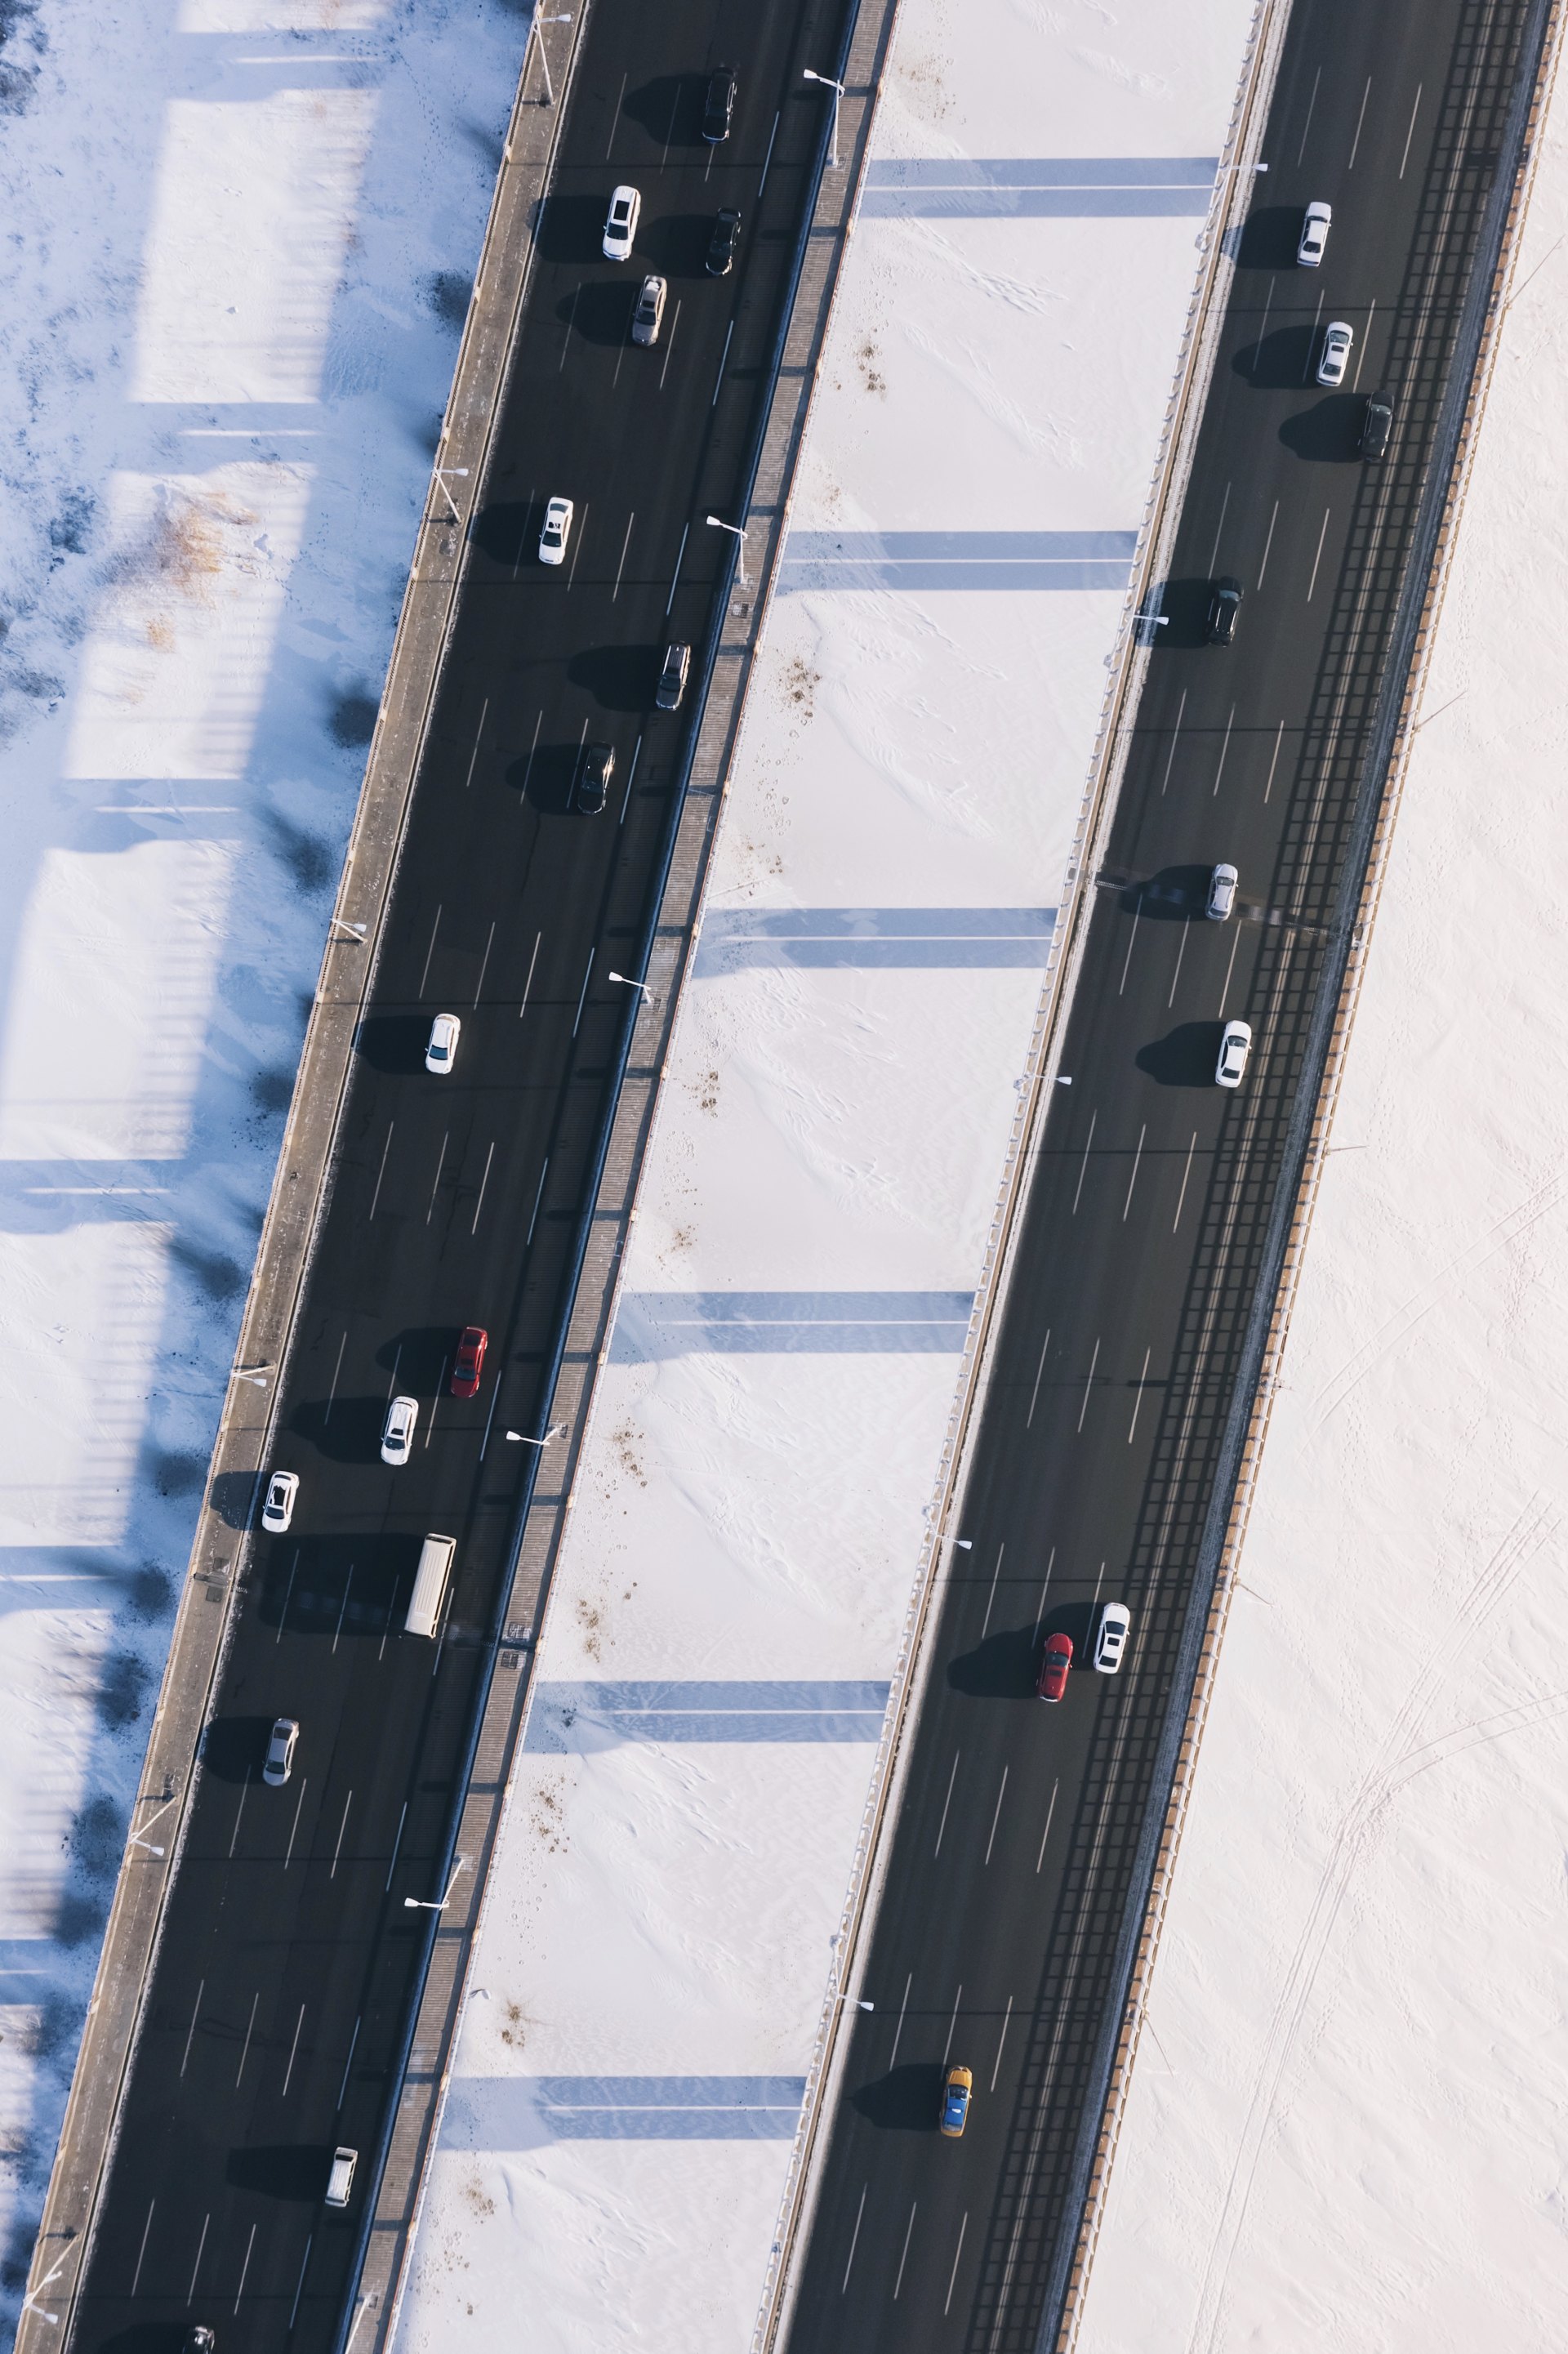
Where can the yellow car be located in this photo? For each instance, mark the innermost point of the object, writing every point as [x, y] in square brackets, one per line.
[957, 2087]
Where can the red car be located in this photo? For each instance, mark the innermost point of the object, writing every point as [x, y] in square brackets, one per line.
[1054, 1661]
[469, 1362]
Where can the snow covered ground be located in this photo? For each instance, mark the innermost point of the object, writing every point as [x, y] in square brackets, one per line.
[239, 237]
[1346, 2127]
[727, 1613]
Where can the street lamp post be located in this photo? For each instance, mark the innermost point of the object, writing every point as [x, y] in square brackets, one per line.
[627, 982]
[424, 1903]
[838, 90]
[459, 473]
[736, 531]
[536, 25]
[519, 1438]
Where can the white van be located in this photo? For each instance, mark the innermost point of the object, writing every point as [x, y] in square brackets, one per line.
[429, 1585]
[340, 2182]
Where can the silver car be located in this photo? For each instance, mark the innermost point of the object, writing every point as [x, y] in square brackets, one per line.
[397, 1436]
[1314, 235]
[648, 311]
[1234, 1047]
[1336, 359]
[1110, 1637]
[281, 1753]
[1222, 892]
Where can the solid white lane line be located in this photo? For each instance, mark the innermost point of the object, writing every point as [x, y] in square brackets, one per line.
[342, 1345]
[768, 157]
[238, 1814]
[300, 2284]
[288, 1593]
[947, 1802]
[538, 1199]
[1312, 341]
[142, 2250]
[991, 1597]
[1137, 1397]
[477, 1207]
[957, 2252]
[1360, 119]
[621, 568]
[723, 357]
[249, 2031]
[342, 1606]
[483, 964]
[396, 1845]
[440, 1392]
[1000, 2040]
[1411, 133]
[614, 118]
[528, 764]
[1089, 1384]
[376, 1195]
[1046, 1832]
[908, 2233]
[1186, 1173]
[347, 2064]
[397, 1361]
[1130, 938]
[1040, 1368]
[630, 773]
[1229, 969]
[902, 2009]
[1224, 502]
[479, 738]
[341, 1829]
[1317, 559]
[293, 2049]
[952, 2024]
[1084, 1167]
[669, 347]
[582, 996]
[490, 1417]
[245, 2267]
[196, 2268]
[996, 1816]
[1263, 330]
[1362, 348]
[528, 984]
[1181, 952]
[441, 1164]
[1175, 732]
[1267, 543]
[294, 1832]
[430, 951]
[1044, 1590]
[190, 2031]
[1224, 749]
[674, 577]
[1132, 1180]
[577, 539]
[1098, 1583]
[1279, 740]
[855, 2238]
[1307, 124]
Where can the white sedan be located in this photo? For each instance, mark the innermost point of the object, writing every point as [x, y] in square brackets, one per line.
[620, 227]
[397, 1436]
[1222, 892]
[1314, 235]
[1110, 1637]
[440, 1052]
[1336, 359]
[279, 1508]
[557, 532]
[1234, 1047]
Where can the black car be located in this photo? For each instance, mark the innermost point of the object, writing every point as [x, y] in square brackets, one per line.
[720, 104]
[1225, 604]
[723, 243]
[1376, 425]
[672, 678]
[595, 770]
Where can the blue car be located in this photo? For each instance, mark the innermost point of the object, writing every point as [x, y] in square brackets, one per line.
[957, 2087]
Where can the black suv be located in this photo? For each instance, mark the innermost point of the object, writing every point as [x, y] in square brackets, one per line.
[720, 104]
[595, 770]
[723, 243]
[1225, 604]
[1376, 425]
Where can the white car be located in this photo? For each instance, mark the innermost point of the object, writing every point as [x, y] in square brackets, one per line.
[1110, 1637]
[1222, 892]
[1336, 357]
[620, 227]
[1234, 1047]
[442, 1051]
[281, 1753]
[398, 1436]
[278, 1510]
[557, 532]
[1314, 235]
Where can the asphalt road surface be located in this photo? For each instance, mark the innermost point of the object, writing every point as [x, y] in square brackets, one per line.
[290, 1958]
[1012, 1858]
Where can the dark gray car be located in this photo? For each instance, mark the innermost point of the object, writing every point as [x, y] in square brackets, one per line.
[594, 773]
[1377, 426]
[1225, 604]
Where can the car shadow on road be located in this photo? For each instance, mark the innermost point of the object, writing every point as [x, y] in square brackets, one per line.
[508, 530]
[1175, 895]
[1184, 1057]
[1183, 609]
[547, 777]
[1281, 360]
[905, 2101]
[234, 1748]
[1269, 238]
[1329, 433]
[619, 678]
[600, 311]
[669, 107]
[393, 1042]
[571, 228]
[295, 2171]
